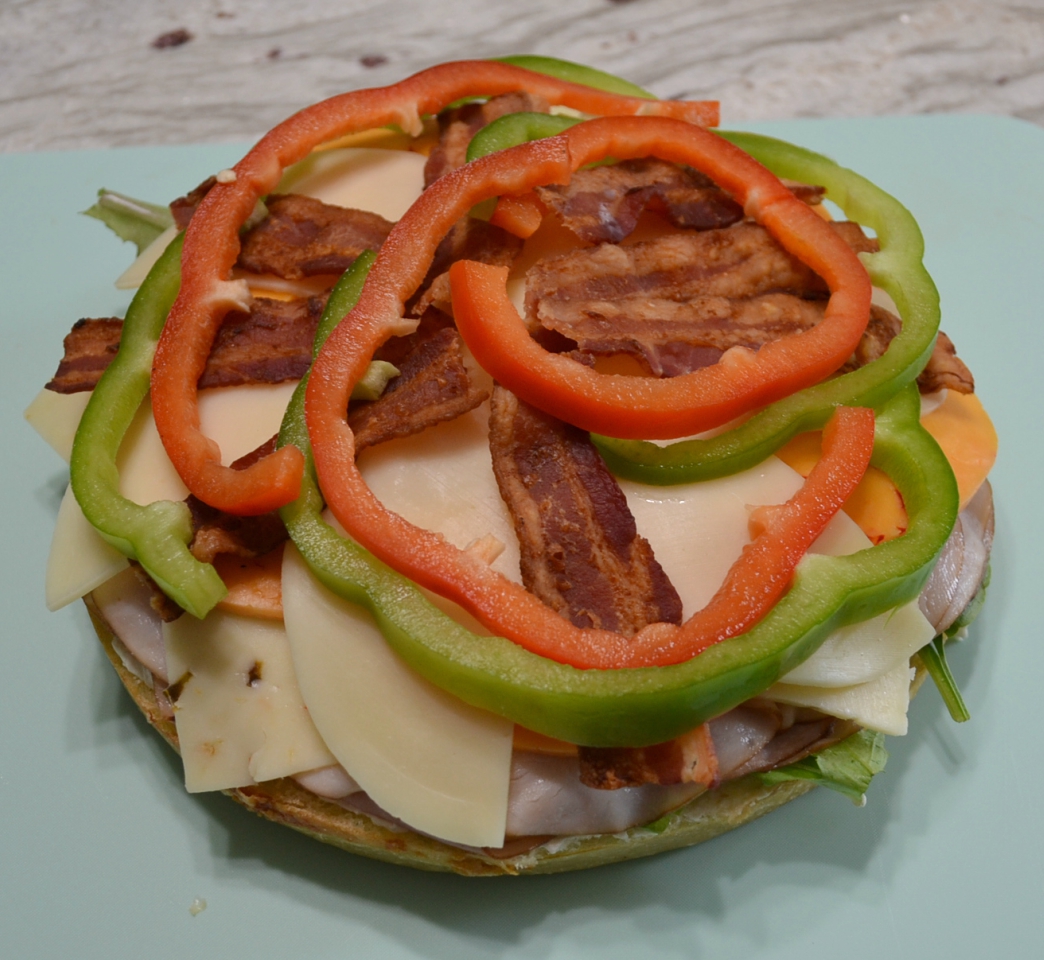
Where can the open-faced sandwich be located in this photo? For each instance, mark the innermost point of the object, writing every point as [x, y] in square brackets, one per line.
[501, 472]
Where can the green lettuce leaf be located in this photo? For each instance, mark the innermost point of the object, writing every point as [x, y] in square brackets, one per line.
[131, 219]
[847, 767]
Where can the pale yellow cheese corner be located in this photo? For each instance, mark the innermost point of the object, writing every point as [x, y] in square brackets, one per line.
[55, 416]
[441, 766]
[881, 704]
[80, 559]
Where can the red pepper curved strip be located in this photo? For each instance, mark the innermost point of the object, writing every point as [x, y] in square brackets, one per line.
[643, 407]
[212, 246]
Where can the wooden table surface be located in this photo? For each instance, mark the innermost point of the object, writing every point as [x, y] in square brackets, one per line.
[93, 73]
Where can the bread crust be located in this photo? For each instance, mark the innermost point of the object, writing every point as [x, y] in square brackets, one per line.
[286, 802]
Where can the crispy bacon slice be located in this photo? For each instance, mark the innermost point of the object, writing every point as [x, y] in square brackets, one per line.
[90, 347]
[740, 261]
[689, 758]
[468, 239]
[183, 208]
[303, 237]
[433, 386]
[458, 126]
[271, 344]
[218, 533]
[603, 204]
[944, 370]
[672, 338]
[580, 550]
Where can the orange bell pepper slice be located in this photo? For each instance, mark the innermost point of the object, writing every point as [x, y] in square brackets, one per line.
[212, 246]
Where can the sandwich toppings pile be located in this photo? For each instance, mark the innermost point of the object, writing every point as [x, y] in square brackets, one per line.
[503, 472]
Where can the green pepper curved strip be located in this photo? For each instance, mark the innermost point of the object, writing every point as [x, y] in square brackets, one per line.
[156, 535]
[515, 128]
[577, 73]
[897, 269]
[633, 707]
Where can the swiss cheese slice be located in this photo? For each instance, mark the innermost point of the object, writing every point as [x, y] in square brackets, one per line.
[426, 757]
[239, 712]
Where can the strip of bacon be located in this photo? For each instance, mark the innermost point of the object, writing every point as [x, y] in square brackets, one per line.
[183, 208]
[603, 204]
[468, 239]
[672, 338]
[303, 237]
[433, 386]
[90, 347]
[580, 550]
[271, 344]
[944, 370]
[458, 126]
[740, 261]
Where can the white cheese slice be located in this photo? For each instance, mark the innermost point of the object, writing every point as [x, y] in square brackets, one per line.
[880, 704]
[240, 716]
[79, 560]
[863, 651]
[386, 182]
[426, 757]
[55, 416]
[442, 480]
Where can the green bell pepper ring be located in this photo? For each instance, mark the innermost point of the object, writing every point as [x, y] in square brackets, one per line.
[896, 268]
[577, 73]
[156, 535]
[634, 707]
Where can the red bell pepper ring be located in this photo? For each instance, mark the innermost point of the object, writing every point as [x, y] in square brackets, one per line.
[426, 558]
[644, 407]
[212, 246]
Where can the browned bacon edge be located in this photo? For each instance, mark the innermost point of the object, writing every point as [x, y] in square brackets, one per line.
[302, 237]
[603, 204]
[271, 344]
[433, 386]
[580, 550]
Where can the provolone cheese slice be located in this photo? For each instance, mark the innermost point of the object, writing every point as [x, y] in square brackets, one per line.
[426, 757]
[386, 182]
[239, 712]
[79, 560]
[880, 704]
